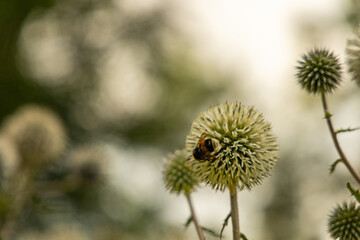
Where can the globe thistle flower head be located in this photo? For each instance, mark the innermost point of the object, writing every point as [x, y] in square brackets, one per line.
[353, 57]
[178, 175]
[244, 149]
[38, 134]
[344, 222]
[319, 71]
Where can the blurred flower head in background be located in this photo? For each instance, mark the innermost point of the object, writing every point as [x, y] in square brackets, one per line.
[38, 134]
[353, 56]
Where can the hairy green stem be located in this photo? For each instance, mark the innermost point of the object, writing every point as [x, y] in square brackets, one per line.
[195, 220]
[234, 213]
[335, 140]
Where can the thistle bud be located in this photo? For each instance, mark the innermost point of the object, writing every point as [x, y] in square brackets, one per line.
[178, 175]
[319, 71]
[344, 222]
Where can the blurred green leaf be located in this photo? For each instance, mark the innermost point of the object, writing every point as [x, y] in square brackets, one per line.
[226, 220]
[344, 130]
[205, 229]
[243, 236]
[188, 221]
[210, 231]
[333, 166]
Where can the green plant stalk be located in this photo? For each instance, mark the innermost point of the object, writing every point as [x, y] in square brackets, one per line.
[234, 213]
[335, 140]
[23, 189]
[194, 217]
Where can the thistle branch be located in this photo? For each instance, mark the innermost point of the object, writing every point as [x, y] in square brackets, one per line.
[194, 218]
[234, 213]
[335, 140]
[23, 189]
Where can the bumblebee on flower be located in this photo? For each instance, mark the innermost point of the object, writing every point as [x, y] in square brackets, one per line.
[231, 145]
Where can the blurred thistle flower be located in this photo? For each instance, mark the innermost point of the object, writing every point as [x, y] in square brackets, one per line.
[344, 222]
[38, 134]
[319, 71]
[353, 57]
[9, 158]
[244, 147]
[178, 175]
[89, 163]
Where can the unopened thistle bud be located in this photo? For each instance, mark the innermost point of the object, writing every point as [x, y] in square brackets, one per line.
[178, 175]
[344, 222]
[353, 57]
[319, 71]
[232, 146]
[38, 134]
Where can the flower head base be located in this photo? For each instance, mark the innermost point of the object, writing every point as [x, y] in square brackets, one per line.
[38, 134]
[319, 71]
[344, 222]
[353, 57]
[245, 149]
[178, 175]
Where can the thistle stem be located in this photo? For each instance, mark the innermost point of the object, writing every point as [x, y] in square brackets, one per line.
[234, 213]
[22, 191]
[195, 220]
[335, 140]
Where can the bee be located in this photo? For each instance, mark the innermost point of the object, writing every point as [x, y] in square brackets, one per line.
[204, 149]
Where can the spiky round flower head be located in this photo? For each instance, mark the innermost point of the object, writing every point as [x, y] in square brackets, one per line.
[344, 222]
[178, 175]
[353, 57]
[319, 71]
[89, 163]
[245, 149]
[38, 134]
